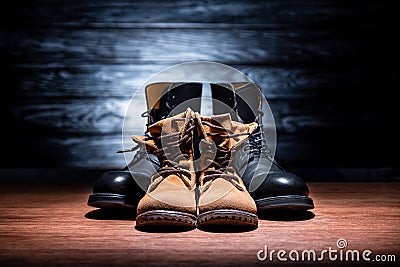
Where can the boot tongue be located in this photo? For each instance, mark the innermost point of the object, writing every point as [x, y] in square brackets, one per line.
[223, 120]
[240, 128]
[230, 127]
[163, 127]
[171, 125]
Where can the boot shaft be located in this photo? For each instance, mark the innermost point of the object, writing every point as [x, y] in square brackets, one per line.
[221, 190]
[171, 140]
[165, 99]
[222, 137]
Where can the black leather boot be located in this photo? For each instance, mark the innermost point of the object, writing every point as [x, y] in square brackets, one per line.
[118, 188]
[271, 188]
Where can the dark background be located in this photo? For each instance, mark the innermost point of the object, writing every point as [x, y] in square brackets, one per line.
[327, 68]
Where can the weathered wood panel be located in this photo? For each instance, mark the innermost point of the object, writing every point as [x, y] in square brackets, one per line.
[123, 13]
[70, 67]
[100, 80]
[87, 133]
[230, 46]
[105, 115]
[302, 153]
[71, 116]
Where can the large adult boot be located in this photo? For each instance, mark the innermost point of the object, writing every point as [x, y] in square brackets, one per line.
[268, 183]
[170, 199]
[223, 198]
[120, 188]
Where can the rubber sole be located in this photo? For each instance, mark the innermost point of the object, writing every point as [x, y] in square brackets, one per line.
[109, 201]
[227, 217]
[289, 202]
[166, 218]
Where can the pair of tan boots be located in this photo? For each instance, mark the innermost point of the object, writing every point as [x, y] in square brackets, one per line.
[197, 184]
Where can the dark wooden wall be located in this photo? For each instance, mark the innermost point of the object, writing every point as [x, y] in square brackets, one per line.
[69, 69]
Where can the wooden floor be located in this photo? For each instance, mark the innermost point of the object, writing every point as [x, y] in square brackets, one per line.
[53, 226]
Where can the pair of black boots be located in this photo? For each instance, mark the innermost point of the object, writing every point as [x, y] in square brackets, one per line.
[270, 185]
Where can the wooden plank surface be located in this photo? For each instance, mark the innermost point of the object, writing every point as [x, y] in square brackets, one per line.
[99, 153]
[89, 132]
[52, 225]
[112, 80]
[123, 12]
[106, 116]
[48, 45]
[70, 67]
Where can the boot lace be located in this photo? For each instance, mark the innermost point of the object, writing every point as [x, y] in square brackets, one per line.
[221, 166]
[174, 148]
[257, 146]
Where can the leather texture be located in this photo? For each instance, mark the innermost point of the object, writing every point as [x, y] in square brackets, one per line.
[221, 194]
[276, 183]
[219, 185]
[173, 191]
[131, 184]
[134, 180]
[271, 182]
[224, 100]
[170, 103]
[113, 182]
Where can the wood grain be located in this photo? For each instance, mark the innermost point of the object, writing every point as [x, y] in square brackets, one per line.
[87, 132]
[42, 226]
[230, 46]
[124, 13]
[70, 67]
[314, 160]
[106, 115]
[101, 80]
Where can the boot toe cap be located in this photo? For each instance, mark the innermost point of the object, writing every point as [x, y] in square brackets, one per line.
[112, 182]
[168, 196]
[280, 184]
[223, 195]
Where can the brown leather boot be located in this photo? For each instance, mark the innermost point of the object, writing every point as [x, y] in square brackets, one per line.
[223, 198]
[170, 198]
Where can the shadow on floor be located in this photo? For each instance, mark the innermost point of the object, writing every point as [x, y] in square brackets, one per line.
[112, 214]
[286, 215]
[130, 215]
